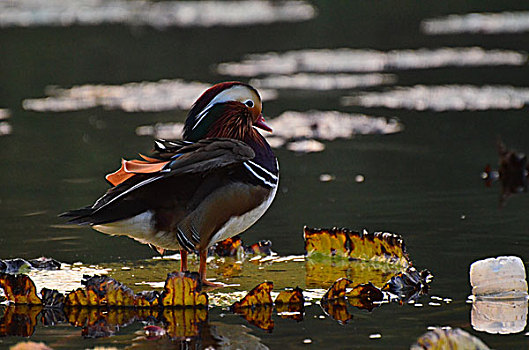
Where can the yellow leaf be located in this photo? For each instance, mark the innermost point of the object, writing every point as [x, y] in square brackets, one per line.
[183, 289]
[338, 289]
[344, 243]
[19, 289]
[260, 295]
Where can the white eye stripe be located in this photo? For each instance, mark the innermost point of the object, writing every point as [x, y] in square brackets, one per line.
[249, 103]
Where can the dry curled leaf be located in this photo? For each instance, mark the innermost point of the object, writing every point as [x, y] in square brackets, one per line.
[290, 304]
[228, 247]
[19, 289]
[409, 284]
[364, 296]
[347, 244]
[263, 247]
[106, 291]
[183, 289]
[337, 290]
[256, 306]
[294, 296]
[260, 295]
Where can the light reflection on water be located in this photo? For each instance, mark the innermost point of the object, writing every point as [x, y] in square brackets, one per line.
[444, 98]
[357, 60]
[478, 23]
[163, 14]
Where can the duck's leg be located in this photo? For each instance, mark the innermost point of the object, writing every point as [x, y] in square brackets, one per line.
[183, 260]
[203, 255]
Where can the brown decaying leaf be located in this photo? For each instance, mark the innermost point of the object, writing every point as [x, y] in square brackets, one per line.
[290, 304]
[227, 247]
[364, 296]
[294, 296]
[260, 295]
[337, 290]
[183, 289]
[19, 289]
[256, 306]
[106, 291]
[344, 243]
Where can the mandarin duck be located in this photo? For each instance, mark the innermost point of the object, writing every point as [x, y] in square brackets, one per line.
[188, 195]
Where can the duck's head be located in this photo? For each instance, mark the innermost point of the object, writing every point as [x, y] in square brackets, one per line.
[230, 109]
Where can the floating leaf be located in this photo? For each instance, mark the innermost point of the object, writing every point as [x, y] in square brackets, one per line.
[409, 285]
[263, 247]
[294, 296]
[227, 247]
[52, 298]
[363, 296]
[256, 306]
[260, 295]
[183, 289]
[290, 304]
[447, 338]
[183, 323]
[106, 291]
[344, 243]
[19, 289]
[337, 290]
[19, 320]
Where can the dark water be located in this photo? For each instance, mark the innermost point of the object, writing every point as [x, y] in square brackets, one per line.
[423, 183]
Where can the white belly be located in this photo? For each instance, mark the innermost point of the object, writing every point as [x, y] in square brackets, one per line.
[141, 228]
[238, 224]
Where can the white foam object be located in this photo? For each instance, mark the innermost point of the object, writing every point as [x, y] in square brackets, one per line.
[501, 277]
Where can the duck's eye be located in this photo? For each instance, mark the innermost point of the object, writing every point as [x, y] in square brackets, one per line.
[249, 103]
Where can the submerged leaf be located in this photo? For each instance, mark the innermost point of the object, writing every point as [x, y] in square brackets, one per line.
[19, 289]
[343, 243]
[183, 289]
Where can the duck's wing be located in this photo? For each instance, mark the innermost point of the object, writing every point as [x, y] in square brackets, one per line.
[189, 162]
